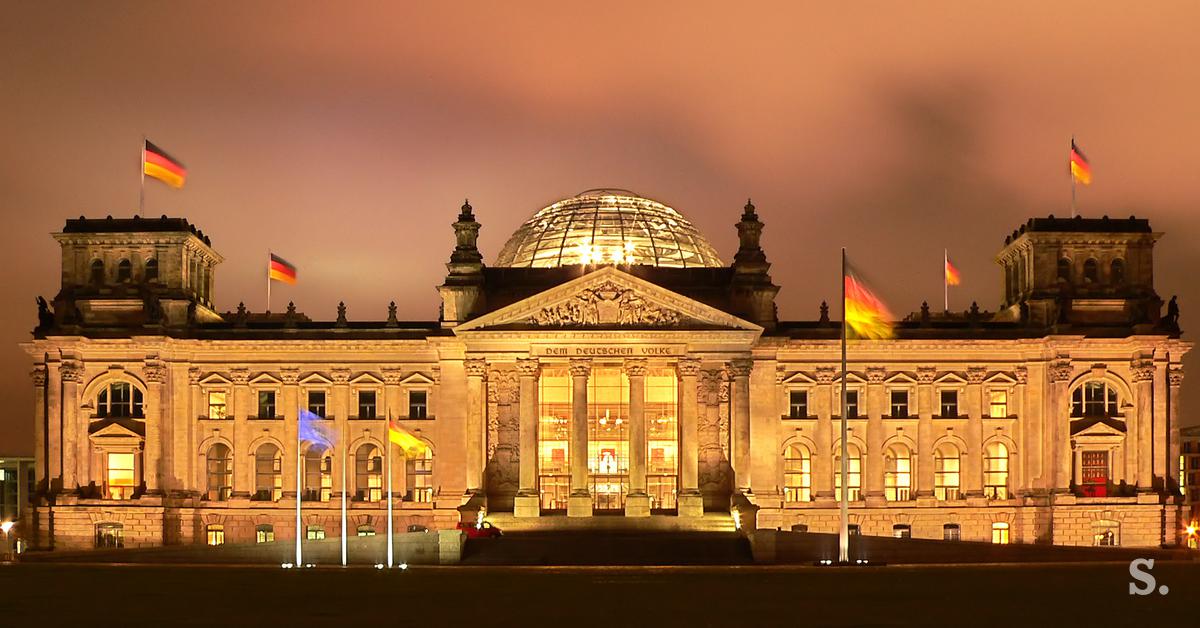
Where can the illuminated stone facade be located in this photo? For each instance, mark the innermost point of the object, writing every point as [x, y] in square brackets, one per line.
[635, 384]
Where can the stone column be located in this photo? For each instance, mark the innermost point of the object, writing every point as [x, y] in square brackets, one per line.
[476, 371]
[157, 418]
[691, 503]
[740, 372]
[925, 455]
[822, 458]
[1174, 380]
[973, 463]
[75, 442]
[873, 467]
[340, 408]
[1058, 427]
[291, 420]
[1027, 429]
[1143, 383]
[527, 503]
[395, 407]
[197, 465]
[1160, 425]
[38, 375]
[637, 503]
[54, 428]
[579, 503]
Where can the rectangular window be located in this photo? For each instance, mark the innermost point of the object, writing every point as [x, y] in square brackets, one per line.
[418, 404]
[264, 533]
[951, 532]
[852, 404]
[120, 476]
[798, 404]
[366, 404]
[315, 533]
[216, 534]
[1000, 533]
[216, 404]
[949, 405]
[266, 404]
[316, 402]
[997, 403]
[902, 531]
[899, 407]
[420, 478]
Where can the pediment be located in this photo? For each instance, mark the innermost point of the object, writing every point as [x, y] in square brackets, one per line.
[116, 430]
[215, 379]
[950, 379]
[265, 379]
[1099, 427]
[608, 299]
[366, 379]
[416, 378]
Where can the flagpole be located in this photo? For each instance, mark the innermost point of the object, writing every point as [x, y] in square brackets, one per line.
[142, 191]
[299, 475]
[1074, 210]
[268, 281]
[343, 495]
[844, 528]
[946, 277]
[388, 444]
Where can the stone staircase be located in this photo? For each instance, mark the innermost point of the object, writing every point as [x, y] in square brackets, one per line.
[710, 522]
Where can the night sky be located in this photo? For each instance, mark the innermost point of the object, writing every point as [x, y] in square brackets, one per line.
[344, 136]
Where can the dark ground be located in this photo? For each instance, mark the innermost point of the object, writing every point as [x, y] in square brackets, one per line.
[1093, 594]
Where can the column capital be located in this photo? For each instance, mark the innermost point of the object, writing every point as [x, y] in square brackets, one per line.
[239, 376]
[340, 376]
[476, 367]
[926, 374]
[71, 372]
[391, 375]
[1143, 370]
[1175, 376]
[38, 375]
[975, 374]
[580, 367]
[875, 374]
[636, 367]
[741, 367]
[193, 375]
[528, 367]
[289, 375]
[1060, 371]
[690, 367]
[824, 374]
[1021, 374]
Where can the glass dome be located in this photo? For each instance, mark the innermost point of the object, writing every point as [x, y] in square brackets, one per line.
[608, 226]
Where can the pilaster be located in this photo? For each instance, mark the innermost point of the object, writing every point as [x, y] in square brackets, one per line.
[1143, 383]
[1174, 381]
[739, 371]
[873, 469]
[476, 372]
[157, 425]
[973, 458]
[925, 456]
[1058, 425]
[822, 458]
[75, 444]
[38, 375]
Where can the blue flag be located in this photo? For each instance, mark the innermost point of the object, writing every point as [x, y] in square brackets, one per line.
[315, 430]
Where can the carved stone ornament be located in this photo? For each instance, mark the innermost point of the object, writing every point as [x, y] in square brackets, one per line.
[606, 304]
[1175, 376]
[1143, 370]
[1021, 375]
[741, 368]
[688, 367]
[1060, 371]
[528, 367]
[239, 376]
[476, 367]
[38, 374]
[925, 374]
[71, 372]
[708, 387]
[824, 375]
[975, 374]
[875, 374]
[580, 367]
[723, 392]
[340, 376]
[391, 375]
[155, 372]
[193, 375]
[502, 387]
[636, 367]
[289, 375]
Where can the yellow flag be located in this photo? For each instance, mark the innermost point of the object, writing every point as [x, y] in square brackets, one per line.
[401, 437]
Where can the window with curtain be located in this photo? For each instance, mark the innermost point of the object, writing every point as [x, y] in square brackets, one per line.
[797, 474]
[897, 476]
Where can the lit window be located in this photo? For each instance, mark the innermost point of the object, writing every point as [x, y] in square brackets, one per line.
[1104, 534]
[897, 477]
[318, 476]
[418, 404]
[1095, 398]
[120, 476]
[797, 474]
[1000, 533]
[316, 402]
[216, 404]
[119, 400]
[366, 404]
[315, 533]
[995, 471]
[949, 406]
[266, 404]
[951, 532]
[264, 533]
[366, 530]
[997, 403]
[110, 535]
[268, 473]
[946, 465]
[216, 534]
[899, 405]
[902, 531]
[219, 466]
[853, 473]
[798, 404]
[368, 474]
[419, 477]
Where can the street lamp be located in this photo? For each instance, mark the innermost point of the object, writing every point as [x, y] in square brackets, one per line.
[6, 526]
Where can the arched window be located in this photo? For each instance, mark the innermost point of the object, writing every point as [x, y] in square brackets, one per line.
[797, 474]
[368, 474]
[97, 272]
[995, 471]
[366, 530]
[419, 476]
[318, 476]
[264, 533]
[1000, 533]
[119, 400]
[897, 475]
[1094, 398]
[946, 464]
[1117, 271]
[1064, 270]
[268, 473]
[151, 270]
[219, 466]
[124, 271]
[1091, 271]
[853, 473]
[110, 535]
[215, 533]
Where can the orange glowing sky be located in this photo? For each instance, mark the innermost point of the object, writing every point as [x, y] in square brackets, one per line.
[345, 139]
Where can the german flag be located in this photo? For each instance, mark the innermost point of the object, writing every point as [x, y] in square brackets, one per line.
[401, 437]
[158, 164]
[1080, 170]
[866, 315]
[953, 278]
[280, 269]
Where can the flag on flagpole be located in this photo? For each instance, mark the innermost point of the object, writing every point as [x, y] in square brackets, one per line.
[1081, 171]
[865, 313]
[315, 430]
[953, 278]
[404, 439]
[158, 164]
[280, 269]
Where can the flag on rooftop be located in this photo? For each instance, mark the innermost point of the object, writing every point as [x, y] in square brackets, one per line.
[953, 278]
[865, 313]
[1081, 171]
[280, 269]
[315, 430]
[158, 164]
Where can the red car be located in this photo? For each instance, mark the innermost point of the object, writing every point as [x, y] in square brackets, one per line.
[483, 531]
